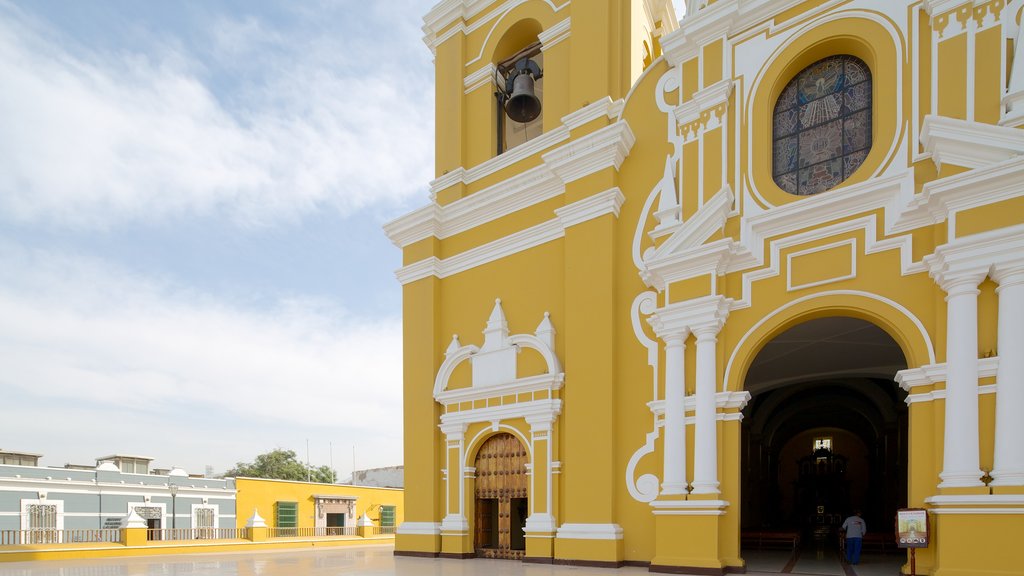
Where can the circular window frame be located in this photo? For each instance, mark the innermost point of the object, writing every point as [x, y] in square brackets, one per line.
[873, 44]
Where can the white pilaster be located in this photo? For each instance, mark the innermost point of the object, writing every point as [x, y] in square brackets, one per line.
[675, 416]
[1009, 448]
[960, 459]
[540, 431]
[455, 518]
[705, 452]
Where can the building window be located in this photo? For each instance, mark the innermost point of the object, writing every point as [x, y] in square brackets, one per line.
[287, 514]
[822, 125]
[387, 516]
[822, 443]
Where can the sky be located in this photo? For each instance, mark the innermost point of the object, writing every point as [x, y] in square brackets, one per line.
[192, 266]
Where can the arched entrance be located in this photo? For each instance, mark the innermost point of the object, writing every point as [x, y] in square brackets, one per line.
[824, 433]
[501, 505]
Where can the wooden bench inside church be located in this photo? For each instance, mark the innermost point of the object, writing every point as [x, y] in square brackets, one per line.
[761, 539]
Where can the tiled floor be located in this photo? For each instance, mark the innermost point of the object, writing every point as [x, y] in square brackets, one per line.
[380, 561]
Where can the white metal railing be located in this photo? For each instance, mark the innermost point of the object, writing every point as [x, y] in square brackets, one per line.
[197, 533]
[55, 536]
[381, 530]
[279, 532]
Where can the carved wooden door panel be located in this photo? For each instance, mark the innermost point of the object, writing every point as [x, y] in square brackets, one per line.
[500, 477]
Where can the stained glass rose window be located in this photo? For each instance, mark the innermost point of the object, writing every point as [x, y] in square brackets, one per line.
[822, 125]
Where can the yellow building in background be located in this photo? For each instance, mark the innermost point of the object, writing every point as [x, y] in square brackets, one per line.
[680, 286]
[314, 509]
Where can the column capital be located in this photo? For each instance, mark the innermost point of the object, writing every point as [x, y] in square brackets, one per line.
[541, 422]
[1010, 274]
[454, 430]
[691, 315]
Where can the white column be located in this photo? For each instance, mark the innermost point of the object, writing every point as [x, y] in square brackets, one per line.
[705, 451]
[1009, 446]
[675, 415]
[960, 459]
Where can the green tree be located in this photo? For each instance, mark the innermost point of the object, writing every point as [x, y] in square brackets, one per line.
[281, 464]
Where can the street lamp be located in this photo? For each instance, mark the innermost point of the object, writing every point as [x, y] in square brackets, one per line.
[174, 506]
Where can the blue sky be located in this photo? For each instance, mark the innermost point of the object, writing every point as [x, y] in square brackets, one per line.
[191, 194]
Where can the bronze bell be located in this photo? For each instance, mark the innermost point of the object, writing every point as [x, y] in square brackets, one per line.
[522, 105]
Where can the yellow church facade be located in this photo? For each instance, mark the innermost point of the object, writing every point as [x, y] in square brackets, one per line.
[684, 285]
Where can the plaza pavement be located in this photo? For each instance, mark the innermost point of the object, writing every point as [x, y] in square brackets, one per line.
[380, 561]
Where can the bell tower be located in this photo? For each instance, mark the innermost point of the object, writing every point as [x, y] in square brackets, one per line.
[507, 73]
[528, 144]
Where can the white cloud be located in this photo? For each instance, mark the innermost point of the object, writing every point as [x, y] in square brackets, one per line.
[93, 139]
[80, 333]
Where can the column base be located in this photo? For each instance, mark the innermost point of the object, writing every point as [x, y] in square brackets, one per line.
[540, 547]
[964, 479]
[418, 539]
[1007, 478]
[688, 537]
[976, 536]
[598, 545]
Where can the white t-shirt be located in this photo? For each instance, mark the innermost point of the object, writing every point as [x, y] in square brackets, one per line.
[855, 527]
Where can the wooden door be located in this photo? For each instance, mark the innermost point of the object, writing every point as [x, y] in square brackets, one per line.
[500, 477]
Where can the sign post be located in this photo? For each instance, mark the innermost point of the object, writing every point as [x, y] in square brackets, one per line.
[912, 531]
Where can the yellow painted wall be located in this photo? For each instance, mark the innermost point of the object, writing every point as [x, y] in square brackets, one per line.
[257, 494]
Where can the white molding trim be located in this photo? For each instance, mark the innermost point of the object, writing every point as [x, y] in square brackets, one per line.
[850, 242]
[516, 242]
[941, 394]
[554, 34]
[448, 12]
[723, 401]
[513, 243]
[969, 144]
[580, 531]
[932, 374]
[419, 528]
[484, 76]
[536, 409]
[704, 100]
[940, 200]
[591, 208]
[603, 148]
[542, 383]
[689, 507]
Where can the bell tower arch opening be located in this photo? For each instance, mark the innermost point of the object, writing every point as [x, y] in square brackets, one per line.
[825, 431]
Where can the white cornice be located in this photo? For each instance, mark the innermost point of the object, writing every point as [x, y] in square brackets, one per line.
[537, 409]
[977, 255]
[723, 401]
[448, 18]
[683, 317]
[969, 144]
[710, 218]
[712, 21]
[484, 76]
[603, 108]
[554, 34]
[541, 383]
[931, 374]
[604, 148]
[937, 7]
[590, 207]
[607, 202]
[589, 532]
[715, 20]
